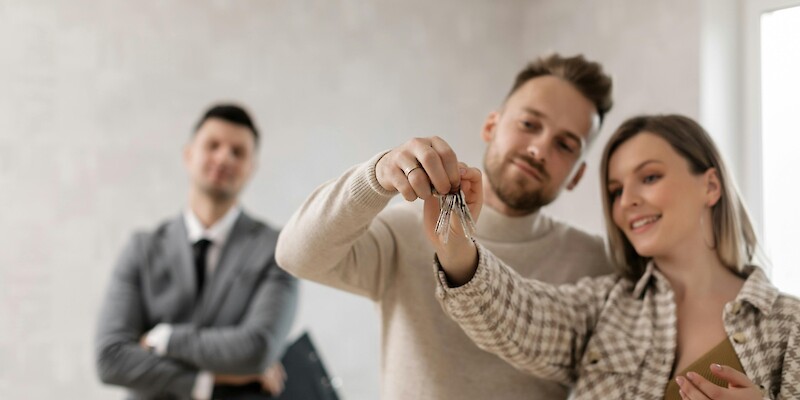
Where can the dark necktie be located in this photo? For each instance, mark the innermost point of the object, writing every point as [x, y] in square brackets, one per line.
[200, 250]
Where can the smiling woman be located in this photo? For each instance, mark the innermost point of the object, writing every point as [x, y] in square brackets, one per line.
[689, 314]
[678, 150]
[648, 179]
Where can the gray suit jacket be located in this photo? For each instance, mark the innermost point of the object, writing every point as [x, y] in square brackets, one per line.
[237, 326]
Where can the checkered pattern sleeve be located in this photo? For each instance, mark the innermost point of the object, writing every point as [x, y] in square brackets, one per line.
[790, 379]
[538, 328]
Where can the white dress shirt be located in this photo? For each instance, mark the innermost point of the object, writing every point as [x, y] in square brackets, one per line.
[217, 234]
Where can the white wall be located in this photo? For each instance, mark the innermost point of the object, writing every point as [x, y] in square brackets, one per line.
[98, 97]
[651, 48]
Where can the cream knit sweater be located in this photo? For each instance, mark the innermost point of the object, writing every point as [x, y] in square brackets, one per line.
[345, 236]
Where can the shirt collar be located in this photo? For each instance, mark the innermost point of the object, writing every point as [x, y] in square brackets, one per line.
[642, 283]
[757, 289]
[217, 233]
[494, 226]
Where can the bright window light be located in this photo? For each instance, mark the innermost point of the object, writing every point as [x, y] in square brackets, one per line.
[780, 80]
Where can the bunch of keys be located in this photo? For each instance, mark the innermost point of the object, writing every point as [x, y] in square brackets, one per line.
[447, 205]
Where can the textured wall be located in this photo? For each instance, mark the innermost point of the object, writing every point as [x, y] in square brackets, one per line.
[98, 97]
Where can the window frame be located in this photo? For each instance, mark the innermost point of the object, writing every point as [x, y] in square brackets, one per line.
[751, 137]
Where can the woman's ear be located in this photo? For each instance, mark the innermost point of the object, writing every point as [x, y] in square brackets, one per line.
[713, 187]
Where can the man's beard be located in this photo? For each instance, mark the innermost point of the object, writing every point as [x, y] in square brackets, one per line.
[512, 192]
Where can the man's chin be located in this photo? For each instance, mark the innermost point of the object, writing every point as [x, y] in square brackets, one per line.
[518, 190]
[219, 193]
[524, 202]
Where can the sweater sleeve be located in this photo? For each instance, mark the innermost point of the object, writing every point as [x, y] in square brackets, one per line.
[335, 239]
[538, 328]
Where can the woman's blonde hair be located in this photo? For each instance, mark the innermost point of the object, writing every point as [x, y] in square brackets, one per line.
[734, 238]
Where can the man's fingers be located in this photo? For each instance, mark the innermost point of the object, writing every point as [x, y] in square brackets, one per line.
[420, 183]
[449, 161]
[277, 387]
[433, 164]
[421, 163]
[405, 189]
[282, 371]
[405, 165]
[272, 384]
[409, 176]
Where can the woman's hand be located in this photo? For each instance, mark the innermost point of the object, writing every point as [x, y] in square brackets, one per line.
[740, 387]
[459, 256]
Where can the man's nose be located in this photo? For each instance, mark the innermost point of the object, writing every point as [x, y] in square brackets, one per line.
[224, 155]
[537, 148]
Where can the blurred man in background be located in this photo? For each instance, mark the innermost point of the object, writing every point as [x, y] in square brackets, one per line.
[197, 307]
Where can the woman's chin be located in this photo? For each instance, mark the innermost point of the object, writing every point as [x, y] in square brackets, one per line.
[645, 251]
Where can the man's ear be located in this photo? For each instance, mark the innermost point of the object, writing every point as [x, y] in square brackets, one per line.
[487, 134]
[187, 155]
[713, 187]
[578, 176]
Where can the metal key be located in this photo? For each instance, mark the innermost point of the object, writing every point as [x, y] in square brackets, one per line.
[448, 204]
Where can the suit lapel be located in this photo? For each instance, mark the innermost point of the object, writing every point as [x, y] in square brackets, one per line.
[234, 257]
[178, 244]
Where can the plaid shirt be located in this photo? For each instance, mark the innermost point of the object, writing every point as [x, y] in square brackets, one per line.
[612, 338]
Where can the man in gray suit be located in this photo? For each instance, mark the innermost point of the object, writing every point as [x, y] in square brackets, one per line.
[198, 305]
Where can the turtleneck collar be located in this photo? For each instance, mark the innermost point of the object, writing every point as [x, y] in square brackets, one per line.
[494, 226]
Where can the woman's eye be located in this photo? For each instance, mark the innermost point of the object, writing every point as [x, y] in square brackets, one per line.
[615, 194]
[651, 178]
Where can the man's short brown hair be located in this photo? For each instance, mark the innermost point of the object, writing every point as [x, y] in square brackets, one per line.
[587, 76]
